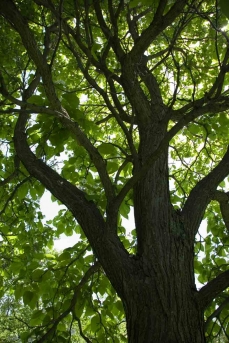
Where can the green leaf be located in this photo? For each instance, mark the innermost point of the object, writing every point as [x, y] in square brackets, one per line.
[107, 149]
[37, 318]
[22, 191]
[25, 336]
[71, 99]
[95, 323]
[28, 296]
[37, 274]
[37, 100]
[224, 4]
[64, 256]
[61, 327]
[194, 129]
[124, 210]
[134, 3]
[112, 167]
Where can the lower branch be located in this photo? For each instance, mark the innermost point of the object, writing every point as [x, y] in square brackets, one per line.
[105, 243]
[217, 312]
[85, 278]
[203, 193]
[212, 289]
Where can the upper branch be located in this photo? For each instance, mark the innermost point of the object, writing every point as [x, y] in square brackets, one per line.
[21, 26]
[212, 289]
[184, 120]
[200, 107]
[112, 37]
[19, 23]
[158, 24]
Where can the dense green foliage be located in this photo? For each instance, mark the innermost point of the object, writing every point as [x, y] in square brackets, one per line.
[63, 54]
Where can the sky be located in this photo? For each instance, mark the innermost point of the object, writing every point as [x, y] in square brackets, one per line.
[50, 210]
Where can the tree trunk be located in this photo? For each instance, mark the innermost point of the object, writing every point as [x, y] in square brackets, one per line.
[152, 319]
[161, 300]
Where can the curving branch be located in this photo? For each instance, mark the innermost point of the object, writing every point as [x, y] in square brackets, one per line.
[112, 37]
[203, 193]
[103, 239]
[56, 108]
[213, 288]
[201, 107]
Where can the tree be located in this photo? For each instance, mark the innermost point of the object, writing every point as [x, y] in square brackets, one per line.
[113, 105]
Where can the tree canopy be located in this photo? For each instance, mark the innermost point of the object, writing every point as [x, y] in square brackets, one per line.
[115, 107]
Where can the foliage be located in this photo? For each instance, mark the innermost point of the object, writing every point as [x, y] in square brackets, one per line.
[64, 67]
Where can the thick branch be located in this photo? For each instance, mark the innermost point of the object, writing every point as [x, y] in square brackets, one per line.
[202, 106]
[212, 289]
[156, 154]
[104, 241]
[202, 193]
[72, 126]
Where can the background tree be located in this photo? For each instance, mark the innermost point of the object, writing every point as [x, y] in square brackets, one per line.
[113, 105]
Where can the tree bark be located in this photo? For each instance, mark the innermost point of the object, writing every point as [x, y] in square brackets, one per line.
[175, 318]
[161, 301]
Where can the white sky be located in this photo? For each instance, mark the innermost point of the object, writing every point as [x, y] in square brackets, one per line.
[50, 210]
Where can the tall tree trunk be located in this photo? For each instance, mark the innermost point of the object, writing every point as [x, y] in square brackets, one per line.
[161, 304]
[160, 301]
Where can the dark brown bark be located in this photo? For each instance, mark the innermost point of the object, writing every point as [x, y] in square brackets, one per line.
[162, 306]
[163, 310]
